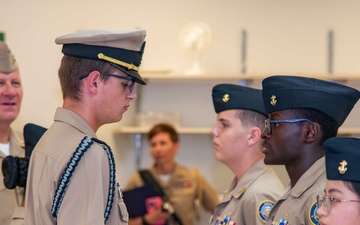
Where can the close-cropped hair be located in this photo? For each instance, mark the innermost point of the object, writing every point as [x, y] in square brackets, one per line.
[251, 118]
[328, 125]
[73, 68]
[164, 128]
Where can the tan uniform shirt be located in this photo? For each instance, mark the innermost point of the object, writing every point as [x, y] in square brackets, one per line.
[298, 205]
[18, 217]
[184, 186]
[249, 201]
[10, 199]
[86, 196]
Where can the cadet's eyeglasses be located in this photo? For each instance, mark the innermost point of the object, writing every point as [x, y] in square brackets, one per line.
[128, 86]
[328, 200]
[269, 123]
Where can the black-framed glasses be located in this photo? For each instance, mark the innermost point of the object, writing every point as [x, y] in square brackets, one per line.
[128, 86]
[269, 123]
[328, 200]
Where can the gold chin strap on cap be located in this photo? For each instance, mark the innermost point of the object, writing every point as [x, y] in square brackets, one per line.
[121, 63]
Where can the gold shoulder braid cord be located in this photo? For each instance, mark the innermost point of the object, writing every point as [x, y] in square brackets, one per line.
[84, 145]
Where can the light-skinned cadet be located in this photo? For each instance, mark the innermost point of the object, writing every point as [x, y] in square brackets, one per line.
[71, 178]
[238, 144]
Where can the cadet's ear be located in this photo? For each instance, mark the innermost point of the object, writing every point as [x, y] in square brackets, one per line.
[312, 132]
[92, 81]
[254, 135]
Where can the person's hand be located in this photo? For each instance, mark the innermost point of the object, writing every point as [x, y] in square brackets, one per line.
[157, 215]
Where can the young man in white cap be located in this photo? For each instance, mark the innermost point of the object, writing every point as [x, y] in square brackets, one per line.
[71, 177]
[237, 142]
[11, 142]
[303, 113]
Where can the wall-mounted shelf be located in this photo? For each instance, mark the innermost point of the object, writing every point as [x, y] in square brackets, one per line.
[347, 131]
[166, 76]
[343, 131]
[180, 130]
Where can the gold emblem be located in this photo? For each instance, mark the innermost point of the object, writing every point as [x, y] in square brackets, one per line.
[342, 168]
[116, 61]
[226, 98]
[241, 190]
[13, 60]
[273, 100]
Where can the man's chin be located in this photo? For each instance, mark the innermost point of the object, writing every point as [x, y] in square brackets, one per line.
[268, 161]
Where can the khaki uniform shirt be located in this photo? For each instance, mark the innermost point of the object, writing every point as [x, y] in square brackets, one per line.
[249, 201]
[298, 205]
[10, 199]
[86, 196]
[18, 217]
[183, 188]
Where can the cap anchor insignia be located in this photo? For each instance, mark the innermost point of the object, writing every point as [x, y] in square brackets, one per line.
[116, 61]
[226, 98]
[342, 168]
[273, 100]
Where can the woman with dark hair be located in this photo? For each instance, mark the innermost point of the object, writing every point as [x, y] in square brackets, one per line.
[184, 187]
[341, 202]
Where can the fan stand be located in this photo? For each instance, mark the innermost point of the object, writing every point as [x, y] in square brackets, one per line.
[196, 68]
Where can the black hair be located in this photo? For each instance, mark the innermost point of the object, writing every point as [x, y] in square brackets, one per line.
[328, 125]
[353, 186]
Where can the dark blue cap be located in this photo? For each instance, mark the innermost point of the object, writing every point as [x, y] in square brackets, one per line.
[342, 157]
[293, 92]
[231, 96]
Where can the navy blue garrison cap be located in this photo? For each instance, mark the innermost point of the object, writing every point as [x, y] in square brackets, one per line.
[293, 92]
[342, 157]
[231, 96]
[123, 49]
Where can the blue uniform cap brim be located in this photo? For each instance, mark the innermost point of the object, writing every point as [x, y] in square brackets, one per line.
[92, 51]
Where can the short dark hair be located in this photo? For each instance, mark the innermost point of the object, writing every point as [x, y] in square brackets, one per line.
[328, 125]
[72, 68]
[353, 186]
[164, 128]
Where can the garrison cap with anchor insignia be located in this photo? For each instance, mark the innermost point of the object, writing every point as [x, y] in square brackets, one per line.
[232, 96]
[123, 49]
[294, 92]
[7, 59]
[342, 157]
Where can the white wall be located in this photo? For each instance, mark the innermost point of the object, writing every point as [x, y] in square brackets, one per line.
[283, 37]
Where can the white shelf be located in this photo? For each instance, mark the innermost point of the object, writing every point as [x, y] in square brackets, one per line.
[207, 77]
[349, 131]
[180, 130]
[207, 130]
